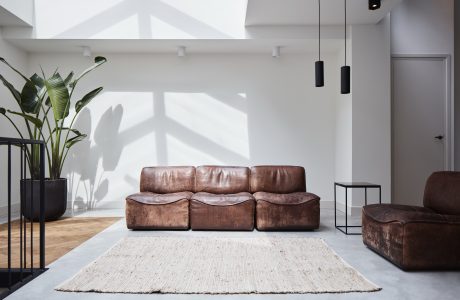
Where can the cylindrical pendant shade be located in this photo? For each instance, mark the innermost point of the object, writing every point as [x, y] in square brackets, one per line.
[319, 73]
[345, 79]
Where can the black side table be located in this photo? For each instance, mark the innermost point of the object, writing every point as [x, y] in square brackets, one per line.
[352, 185]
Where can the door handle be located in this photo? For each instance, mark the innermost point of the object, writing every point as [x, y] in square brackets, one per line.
[439, 137]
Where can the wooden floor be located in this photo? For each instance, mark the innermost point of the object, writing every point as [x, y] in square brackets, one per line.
[61, 237]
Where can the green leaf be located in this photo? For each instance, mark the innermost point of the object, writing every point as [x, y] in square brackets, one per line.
[12, 68]
[68, 78]
[29, 99]
[41, 88]
[38, 81]
[37, 122]
[67, 128]
[59, 96]
[10, 87]
[86, 99]
[99, 60]
[74, 140]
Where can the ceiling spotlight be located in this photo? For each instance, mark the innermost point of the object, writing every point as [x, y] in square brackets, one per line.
[86, 51]
[276, 52]
[374, 4]
[181, 51]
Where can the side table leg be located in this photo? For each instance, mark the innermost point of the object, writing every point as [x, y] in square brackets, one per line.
[380, 195]
[365, 196]
[335, 205]
[346, 210]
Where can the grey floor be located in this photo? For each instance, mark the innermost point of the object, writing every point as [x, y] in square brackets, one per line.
[395, 283]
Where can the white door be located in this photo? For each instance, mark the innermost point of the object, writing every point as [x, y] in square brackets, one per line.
[418, 117]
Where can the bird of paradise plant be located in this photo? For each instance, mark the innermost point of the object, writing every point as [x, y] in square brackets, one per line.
[37, 98]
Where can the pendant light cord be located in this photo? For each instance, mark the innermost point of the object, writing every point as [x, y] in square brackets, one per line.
[319, 30]
[345, 32]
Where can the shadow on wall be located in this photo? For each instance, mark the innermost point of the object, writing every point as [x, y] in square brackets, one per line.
[163, 128]
[91, 162]
[225, 110]
[144, 19]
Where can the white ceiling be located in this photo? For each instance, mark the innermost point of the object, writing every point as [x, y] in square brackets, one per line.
[259, 12]
[16, 12]
[170, 46]
[305, 12]
[9, 19]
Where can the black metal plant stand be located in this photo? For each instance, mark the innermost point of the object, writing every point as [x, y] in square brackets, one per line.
[352, 185]
[13, 277]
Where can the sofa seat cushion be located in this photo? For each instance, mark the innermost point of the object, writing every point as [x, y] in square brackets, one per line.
[222, 212]
[153, 198]
[294, 211]
[286, 199]
[222, 199]
[404, 214]
[158, 213]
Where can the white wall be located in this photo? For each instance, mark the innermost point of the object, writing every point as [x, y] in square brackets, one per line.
[201, 109]
[18, 59]
[371, 88]
[427, 27]
[363, 118]
[344, 131]
[457, 85]
[423, 27]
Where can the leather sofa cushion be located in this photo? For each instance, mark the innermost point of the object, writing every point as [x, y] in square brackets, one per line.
[153, 198]
[239, 216]
[277, 179]
[442, 193]
[164, 180]
[286, 199]
[167, 216]
[222, 180]
[404, 214]
[222, 199]
[302, 216]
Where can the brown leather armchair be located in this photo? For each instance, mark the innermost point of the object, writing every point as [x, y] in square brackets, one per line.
[419, 238]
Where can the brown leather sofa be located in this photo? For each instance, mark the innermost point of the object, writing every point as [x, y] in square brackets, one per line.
[223, 198]
[419, 238]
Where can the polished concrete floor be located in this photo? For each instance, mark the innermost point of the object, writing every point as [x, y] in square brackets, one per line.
[396, 284]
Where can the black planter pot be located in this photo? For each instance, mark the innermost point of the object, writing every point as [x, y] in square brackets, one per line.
[55, 198]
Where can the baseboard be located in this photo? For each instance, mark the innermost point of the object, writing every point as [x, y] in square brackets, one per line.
[352, 210]
[15, 208]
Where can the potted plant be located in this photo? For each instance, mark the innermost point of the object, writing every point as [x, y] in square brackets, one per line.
[37, 98]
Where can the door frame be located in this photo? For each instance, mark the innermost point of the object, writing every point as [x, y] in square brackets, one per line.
[448, 105]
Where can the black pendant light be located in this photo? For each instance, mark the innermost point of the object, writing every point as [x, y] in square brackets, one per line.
[319, 65]
[345, 70]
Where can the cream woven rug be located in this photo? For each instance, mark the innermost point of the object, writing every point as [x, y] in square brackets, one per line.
[172, 265]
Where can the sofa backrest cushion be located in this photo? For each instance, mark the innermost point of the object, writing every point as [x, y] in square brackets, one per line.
[222, 179]
[163, 180]
[277, 179]
[442, 193]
